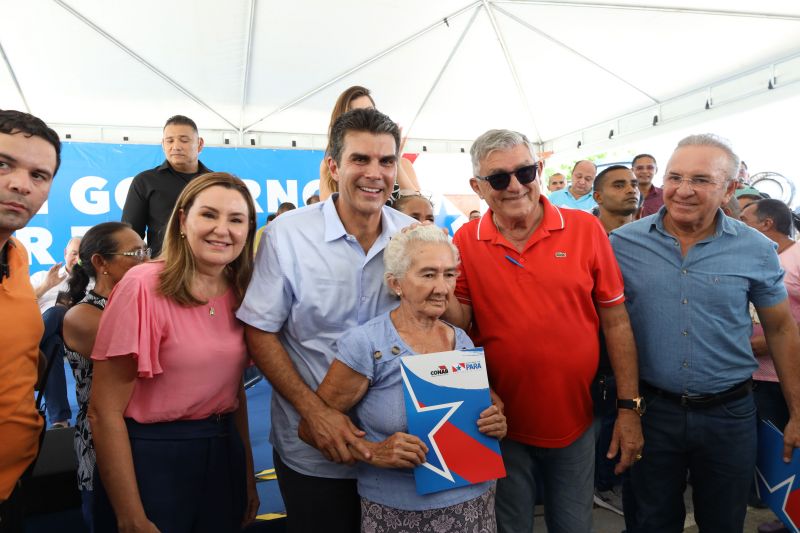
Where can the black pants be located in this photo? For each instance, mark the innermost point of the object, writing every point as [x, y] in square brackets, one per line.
[11, 512]
[190, 475]
[317, 503]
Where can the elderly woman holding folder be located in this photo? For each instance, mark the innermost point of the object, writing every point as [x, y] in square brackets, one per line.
[365, 380]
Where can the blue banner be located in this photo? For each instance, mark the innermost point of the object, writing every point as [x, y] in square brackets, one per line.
[93, 181]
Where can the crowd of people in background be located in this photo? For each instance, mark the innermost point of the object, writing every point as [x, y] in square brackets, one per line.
[633, 335]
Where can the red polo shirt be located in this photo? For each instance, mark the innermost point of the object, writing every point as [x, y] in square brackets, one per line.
[534, 314]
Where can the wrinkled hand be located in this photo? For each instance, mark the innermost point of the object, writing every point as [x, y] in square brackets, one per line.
[54, 277]
[791, 439]
[492, 422]
[331, 432]
[253, 502]
[627, 440]
[401, 450]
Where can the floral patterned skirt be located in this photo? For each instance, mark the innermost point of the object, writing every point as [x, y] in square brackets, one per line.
[472, 516]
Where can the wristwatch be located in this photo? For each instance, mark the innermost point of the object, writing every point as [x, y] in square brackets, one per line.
[636, 404]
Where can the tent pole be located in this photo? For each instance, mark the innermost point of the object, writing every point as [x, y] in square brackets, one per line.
[14, 78]
[512, 67]
[662, 9]
[572, 50]
[363, 64]
[444, 68]
[246, 74]
[142, 60]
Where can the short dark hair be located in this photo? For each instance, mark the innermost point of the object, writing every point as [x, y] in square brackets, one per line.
[286, 206]
[368, 120]
[181, 120]
[779, 212]
[600, 179]
[640, 156]
[30, 126]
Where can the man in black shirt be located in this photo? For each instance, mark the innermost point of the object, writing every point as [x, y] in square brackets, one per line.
[153, 193]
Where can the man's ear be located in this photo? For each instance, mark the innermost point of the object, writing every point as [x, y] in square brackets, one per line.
[200, 144]
[473, 182]
[333, 168]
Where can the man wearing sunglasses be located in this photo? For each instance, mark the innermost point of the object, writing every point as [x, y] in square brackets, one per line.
[579, 193]
[523, 263]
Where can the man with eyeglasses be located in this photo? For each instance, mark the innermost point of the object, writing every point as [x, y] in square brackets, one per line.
[522, 263]
[579, 193]
[690, 273]
[644, 168]
[29, 159]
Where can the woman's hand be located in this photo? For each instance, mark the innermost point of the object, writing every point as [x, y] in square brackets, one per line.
[492, 421]
[401, 450]
[253, 502]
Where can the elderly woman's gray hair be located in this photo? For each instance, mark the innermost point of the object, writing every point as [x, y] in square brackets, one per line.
[496, 140]
[397, 255]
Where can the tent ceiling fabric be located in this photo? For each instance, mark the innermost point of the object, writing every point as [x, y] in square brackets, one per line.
[438, 68]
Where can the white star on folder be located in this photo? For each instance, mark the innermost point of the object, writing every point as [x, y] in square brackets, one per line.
[451, 408]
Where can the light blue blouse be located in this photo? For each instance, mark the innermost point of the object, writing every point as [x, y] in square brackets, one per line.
[381, 413]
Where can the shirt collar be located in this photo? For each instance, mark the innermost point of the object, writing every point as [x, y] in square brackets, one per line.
[334, 229]
[552, 220]
[165, 166]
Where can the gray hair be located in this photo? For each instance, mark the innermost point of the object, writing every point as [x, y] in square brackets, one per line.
[496, 140]
[396, 255]
[715, 141]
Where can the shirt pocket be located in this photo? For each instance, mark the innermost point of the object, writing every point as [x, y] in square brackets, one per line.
[727, 295]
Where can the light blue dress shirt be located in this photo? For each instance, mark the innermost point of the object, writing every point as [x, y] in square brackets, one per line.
[312, 282]
[690, 314]
[564, 198]
[381, 413]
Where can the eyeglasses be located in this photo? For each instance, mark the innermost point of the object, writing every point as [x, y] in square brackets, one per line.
[501, 180]
[141, 254]
[409, 193]
[697, 182]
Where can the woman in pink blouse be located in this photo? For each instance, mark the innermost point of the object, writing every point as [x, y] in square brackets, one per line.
[168, 409]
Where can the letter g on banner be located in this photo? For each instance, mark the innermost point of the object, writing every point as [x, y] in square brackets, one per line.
[88, 197]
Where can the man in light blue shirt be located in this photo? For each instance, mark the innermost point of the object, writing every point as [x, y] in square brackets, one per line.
[579, 194]
[318, 273]
[690, 273]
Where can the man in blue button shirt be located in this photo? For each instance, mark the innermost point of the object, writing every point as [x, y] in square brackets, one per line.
[689, 273]
[579, 193]
[318, 273]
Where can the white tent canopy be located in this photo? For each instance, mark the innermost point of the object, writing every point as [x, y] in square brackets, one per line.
[267, 72]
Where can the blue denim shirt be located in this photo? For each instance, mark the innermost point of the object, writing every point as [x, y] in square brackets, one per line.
[312, 282]
[381, 413]
[564, 198]
[690, 314]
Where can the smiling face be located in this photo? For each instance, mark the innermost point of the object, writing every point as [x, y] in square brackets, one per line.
[27, 167]
[429, 280]
[366, 174]
[71, 253]
[644, 168]
[517, 201]
[182, 146]
[215, 227]
[693, 206]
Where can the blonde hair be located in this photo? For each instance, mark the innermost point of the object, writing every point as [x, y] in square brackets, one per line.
[180, 266]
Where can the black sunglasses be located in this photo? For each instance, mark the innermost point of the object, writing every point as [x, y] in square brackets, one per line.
[501, 180]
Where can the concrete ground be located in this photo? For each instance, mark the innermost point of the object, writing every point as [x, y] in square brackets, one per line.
[605, 521]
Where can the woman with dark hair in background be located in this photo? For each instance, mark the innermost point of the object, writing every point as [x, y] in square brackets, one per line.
[106, 253]
[168, 408]
[357, 97]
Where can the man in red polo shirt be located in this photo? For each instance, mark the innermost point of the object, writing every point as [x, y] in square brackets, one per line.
[524, 264]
